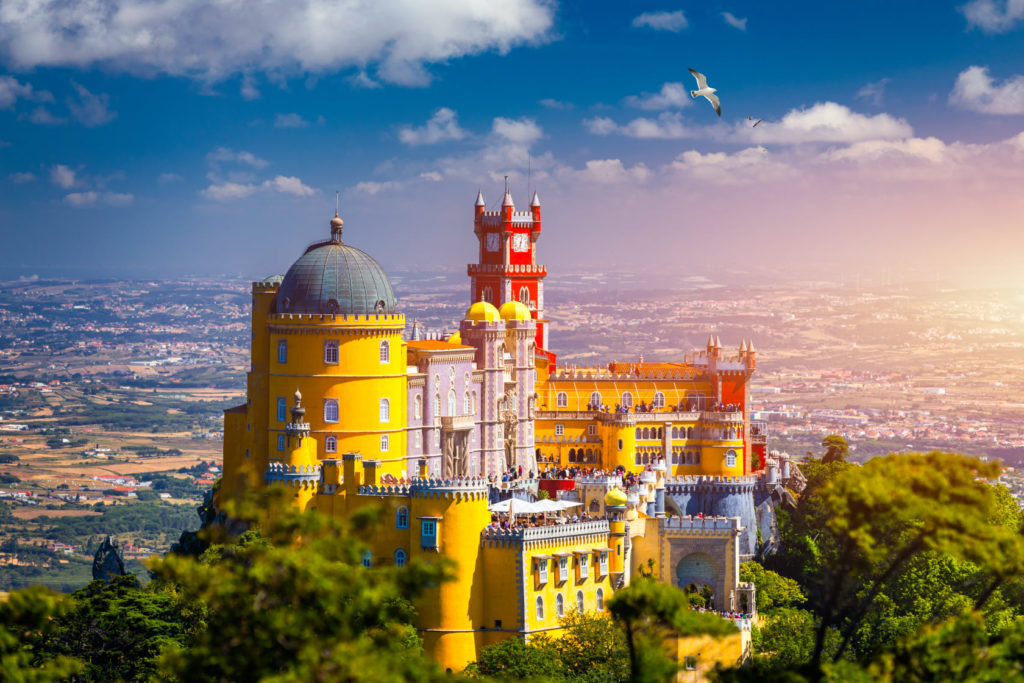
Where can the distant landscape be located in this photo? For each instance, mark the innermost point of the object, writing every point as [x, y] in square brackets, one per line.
[111, 392]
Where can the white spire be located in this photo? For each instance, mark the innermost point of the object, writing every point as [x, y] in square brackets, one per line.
[536, 199]
[479, 198]
[718, 342]
[508, 199]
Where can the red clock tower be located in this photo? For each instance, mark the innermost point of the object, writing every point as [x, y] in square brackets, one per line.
[507, 269]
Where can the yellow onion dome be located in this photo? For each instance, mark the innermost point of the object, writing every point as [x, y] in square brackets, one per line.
[483, 311]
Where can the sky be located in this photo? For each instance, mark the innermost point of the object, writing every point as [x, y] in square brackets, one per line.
[171, 138]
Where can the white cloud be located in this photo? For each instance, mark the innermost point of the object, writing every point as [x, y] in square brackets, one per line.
[668, 126]
[20, 178]
[432, 176]
[826, 122]
[63, 176]
[224, 154]
[79, 199]
[735, 21]
[662, 21]
[42, 116]
[873, 92]
[371, 188]
[211, 41]
[91, 198]
[11, 91]
[288, 185]
[976, 90]
[363, 80]
[612, 171]
[290, 121]
[993, 16]
[929, 149]
[554, 104]
[671, 95]
[226, 191]
[165, 178]
[443, 125]
[519, 131]
[90, 110]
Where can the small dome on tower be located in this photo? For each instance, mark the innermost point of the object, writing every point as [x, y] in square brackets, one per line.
[615, 498]
[514, 310]
[455, 338]
[484, 311]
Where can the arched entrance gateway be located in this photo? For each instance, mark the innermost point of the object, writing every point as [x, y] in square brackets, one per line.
[696, 574]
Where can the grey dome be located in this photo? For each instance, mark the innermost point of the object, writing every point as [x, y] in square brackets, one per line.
[332, 277]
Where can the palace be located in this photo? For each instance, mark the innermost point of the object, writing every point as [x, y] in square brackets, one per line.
[345, 411]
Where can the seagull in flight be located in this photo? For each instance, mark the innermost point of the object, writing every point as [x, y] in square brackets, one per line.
[751, 118]
[704, 91]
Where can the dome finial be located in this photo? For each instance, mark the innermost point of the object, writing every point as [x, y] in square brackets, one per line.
[336, 223]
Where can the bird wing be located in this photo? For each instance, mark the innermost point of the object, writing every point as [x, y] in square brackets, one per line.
[702, 82]
[757, 122]
[713, 99]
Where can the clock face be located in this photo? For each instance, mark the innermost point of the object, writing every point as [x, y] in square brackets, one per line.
[493, 241]
[521, 242]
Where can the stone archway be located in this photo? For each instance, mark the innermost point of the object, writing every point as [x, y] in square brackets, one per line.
[698, 572]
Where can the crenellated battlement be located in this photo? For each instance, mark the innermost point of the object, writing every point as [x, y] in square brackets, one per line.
[546, 533]
[292, 474]
[337, 318]
[701, 525]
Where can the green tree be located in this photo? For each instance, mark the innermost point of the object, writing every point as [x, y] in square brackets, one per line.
[591, 649]
[514, 659]
[290, 600]
[119, 628]
[773, 589]
[649, 612]
[836, 449]
[26, 622]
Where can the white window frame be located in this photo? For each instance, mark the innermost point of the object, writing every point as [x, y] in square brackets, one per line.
[584, 564]
[591, 430]
[453, 403]
[384, 353]
[467, 403]
[563, 569]
[602, 564]
[730, 458]
[659, 400]
[331, 444]
[581, 602]
[331, 352]
[600, 600]
[384, 443]
[539, 609]
[559, 429]
[418, 407]
[595, 398]
[384, 410]
[542, 570]
[627, 399]
[329, 405]
[562, 400]
[560, 606]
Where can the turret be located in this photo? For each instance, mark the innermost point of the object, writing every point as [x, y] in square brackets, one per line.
[479, 205]
[535, 209]
[507, 206]
[751, 356]
[615, 511]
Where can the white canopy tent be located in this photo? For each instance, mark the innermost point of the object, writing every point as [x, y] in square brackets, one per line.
[524, 507]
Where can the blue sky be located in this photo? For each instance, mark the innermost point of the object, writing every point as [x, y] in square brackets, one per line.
[181, 137]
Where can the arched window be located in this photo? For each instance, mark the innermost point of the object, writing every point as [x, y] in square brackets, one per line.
[282, 351]
[595, 399]
[559, 606]
[452, 403]
[385, 410]
[331, 351]
[524, 295]
[402, 517]
[638, 433]
[367, 559]
[689, 432]
[399, 558]
[627, 399]
[646, 459]
[646, 434]
[419, 439]
[730, 458]
[659, 400]
[451, 373]
[385, 351]
[697, 401]
[385, 443]
[562, 400]
[600, 600]
[282, 409]
[331, 444]
[473, 405]
[590, 455]
[487, 295]
[579, 602]
[572, 455]
[437, 405]
[467, 403]
[330, 410]
[675, 432]
[418, 407]
[540, 608]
